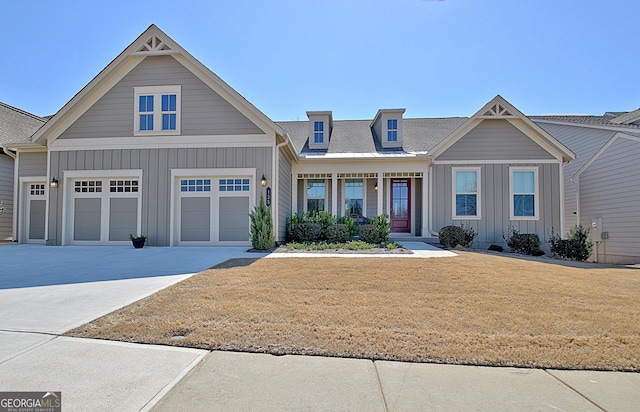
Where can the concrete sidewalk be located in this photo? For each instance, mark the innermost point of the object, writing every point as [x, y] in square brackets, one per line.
[228, 381]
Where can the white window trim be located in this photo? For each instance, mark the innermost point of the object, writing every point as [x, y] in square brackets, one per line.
[320, 132]
[156, 92]
[397, 130]
[326, 186]
[536, 198]
[478, 215]
[364, 194]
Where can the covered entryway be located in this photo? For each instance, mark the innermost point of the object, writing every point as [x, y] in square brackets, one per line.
[212, 209]
[400, 210]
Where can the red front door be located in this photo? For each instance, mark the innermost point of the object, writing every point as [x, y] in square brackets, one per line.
[400, 205]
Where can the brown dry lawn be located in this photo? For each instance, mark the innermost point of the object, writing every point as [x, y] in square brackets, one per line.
[477, 308]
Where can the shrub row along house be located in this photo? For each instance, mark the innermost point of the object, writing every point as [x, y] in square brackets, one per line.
[157, 144]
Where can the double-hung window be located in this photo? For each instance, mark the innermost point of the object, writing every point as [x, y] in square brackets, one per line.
[466, 193]
[318, 132]
[353, 196]
[392, 130]
[316, 195]
[524, 193]
[157, 110]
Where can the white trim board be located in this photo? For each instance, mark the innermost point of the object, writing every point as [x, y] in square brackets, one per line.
[161, 142]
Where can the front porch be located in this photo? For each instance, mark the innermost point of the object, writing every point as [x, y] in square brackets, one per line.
[403, 196]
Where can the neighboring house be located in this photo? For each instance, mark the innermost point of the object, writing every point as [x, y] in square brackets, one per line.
[16, 126]
[157, 144]
[600, 184]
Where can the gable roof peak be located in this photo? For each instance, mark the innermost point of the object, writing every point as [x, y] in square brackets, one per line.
[156, 42]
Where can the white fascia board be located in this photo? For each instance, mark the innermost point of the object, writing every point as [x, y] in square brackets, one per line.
[142, 142]
[332, 156]
[604, 147]
[379, 166]
[86, 98]
[498, 162]
[543, 139]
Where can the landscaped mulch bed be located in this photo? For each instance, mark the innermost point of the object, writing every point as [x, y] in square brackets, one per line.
[477, 308]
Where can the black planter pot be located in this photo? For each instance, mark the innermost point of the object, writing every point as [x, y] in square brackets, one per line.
[138, 243]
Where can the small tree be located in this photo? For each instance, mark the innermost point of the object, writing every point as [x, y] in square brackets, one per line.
[262, 236]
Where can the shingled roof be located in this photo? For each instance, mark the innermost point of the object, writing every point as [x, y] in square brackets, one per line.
[357, 137]
[17, 126]
[604, 120]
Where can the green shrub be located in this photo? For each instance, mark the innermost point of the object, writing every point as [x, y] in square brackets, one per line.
[337, 233]
[496, 248]
[383, 225]
[262, 235]
[358, 245]
[323, 218]
[577, 247]
[347, 220]
[525, 243]
[307, 232]
[392, 245]
[370, 234]
[452, 236]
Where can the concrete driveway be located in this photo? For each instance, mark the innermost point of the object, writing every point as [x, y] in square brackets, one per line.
[46, 291]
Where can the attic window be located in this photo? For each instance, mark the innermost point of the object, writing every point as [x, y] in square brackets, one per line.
[392, 130]
[157, 110]
[318, 132]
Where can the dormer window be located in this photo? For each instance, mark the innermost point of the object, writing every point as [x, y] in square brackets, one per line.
[392, 130]
[318, 132]
[387, 128]
[157, 110]
[320, 124]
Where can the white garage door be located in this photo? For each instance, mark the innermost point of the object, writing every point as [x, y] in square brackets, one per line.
[104, 211]
[213, 210]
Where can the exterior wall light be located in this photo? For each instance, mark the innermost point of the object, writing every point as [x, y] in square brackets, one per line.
[263, 181]
[375, 187]
[54, 183]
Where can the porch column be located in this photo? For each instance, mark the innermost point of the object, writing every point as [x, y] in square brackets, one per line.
[425, 204]
[380, 193]
[334, 193]
[294, 193]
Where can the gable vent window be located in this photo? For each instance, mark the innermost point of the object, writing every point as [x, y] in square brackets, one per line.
[318, 132]
[157, 110]
[392, 130]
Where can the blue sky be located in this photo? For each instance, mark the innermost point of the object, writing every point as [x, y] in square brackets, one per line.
[435, 58]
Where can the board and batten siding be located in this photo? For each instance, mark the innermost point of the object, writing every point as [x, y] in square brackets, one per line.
[156, 165]
[284, 195]
[495, 140]
[494, 202]
[203, 111]
[584, 142]
[608, 189]
[6, 196]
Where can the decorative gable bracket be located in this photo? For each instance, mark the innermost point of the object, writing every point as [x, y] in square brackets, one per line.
[154, 46]
[497, 111]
